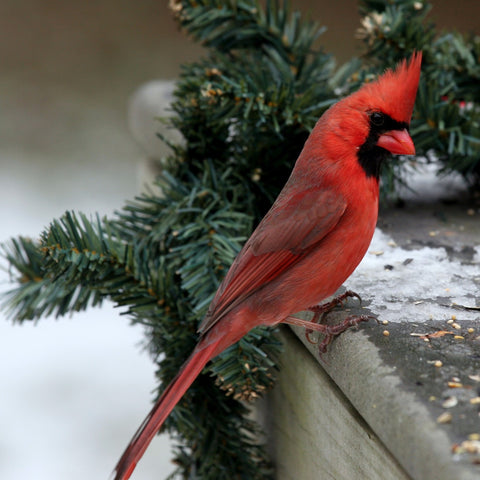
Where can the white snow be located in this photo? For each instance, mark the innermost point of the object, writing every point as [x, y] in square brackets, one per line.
[420, 282]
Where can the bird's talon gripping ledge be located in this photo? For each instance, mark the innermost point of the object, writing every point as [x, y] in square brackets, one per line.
[320, 311]
[330, 331]
[333, 331]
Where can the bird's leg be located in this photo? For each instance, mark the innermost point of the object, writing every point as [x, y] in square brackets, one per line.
[319, 311]
[335, 330]
[299, 322]
[330, 331]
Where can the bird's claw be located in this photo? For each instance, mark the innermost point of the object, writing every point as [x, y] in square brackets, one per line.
[320, 311]
[333, 331]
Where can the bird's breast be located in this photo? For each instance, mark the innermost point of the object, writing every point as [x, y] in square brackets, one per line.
[323, 270]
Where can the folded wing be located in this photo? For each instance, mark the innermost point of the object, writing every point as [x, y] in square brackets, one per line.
[288, 232]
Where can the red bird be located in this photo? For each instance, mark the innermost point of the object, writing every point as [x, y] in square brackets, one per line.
[313, 237]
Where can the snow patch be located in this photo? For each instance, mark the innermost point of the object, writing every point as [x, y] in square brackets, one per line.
[415, 285]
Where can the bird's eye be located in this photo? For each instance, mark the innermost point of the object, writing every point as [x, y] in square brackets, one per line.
[377, 119]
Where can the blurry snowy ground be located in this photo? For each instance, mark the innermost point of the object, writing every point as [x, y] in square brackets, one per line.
[73, 390]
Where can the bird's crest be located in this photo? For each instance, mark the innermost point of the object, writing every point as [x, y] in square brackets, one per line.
[394, 91]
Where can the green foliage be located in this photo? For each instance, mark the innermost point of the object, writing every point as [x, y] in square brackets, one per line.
[245, 111]
[261, 81]
[49, 274]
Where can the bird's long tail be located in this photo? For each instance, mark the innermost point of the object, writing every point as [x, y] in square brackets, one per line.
[162, 408]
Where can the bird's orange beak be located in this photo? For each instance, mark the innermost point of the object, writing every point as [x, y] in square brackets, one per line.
[397, 142]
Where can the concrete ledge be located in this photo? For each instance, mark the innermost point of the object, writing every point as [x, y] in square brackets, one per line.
[364, 420]
[314, 431]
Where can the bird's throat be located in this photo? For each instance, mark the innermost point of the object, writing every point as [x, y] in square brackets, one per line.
[371, 159]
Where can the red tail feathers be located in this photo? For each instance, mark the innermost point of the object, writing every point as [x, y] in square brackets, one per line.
[165, 404]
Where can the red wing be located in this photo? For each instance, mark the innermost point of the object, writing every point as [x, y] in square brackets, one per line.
[283, 237]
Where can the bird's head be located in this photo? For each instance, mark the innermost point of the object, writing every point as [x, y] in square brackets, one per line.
[375, 119]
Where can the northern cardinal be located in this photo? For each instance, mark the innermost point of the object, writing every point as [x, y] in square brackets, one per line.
[313, 237]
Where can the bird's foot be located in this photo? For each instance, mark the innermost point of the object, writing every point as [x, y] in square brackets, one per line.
[329, 331]
[320, 311]
[333, 331]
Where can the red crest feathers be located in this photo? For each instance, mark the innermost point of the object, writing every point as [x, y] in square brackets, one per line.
[394, 92]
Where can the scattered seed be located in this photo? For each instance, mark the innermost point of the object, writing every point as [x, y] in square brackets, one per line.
[450, 321]
[445, 417]
[386, 333]
[453, 317]
[438, 363]
[385, 322]
[455, 385]
[475, 378]
[391, 243]
[475, 400]
[418, 302]
[440, 333]
[376, 252]
[471, 446]
[450, 402]
[456, 326]
[470, 330]
[475, 437]
[458, 337]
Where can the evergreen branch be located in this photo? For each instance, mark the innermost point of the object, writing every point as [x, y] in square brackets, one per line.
[36, 294]
[248, 26]
[79, 256]
[247, 107]
[39, 292]
[74, 266]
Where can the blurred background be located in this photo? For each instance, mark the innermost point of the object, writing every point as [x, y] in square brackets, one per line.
[74, 390]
